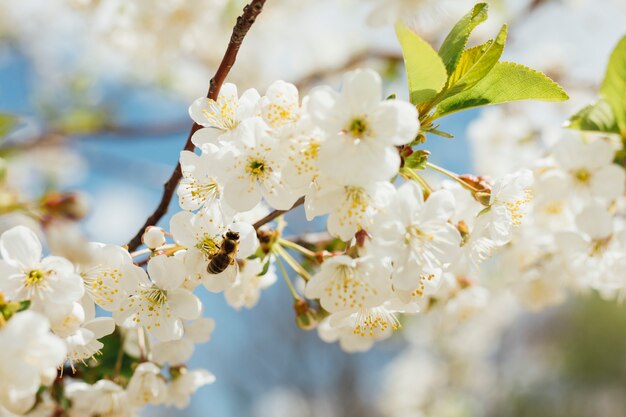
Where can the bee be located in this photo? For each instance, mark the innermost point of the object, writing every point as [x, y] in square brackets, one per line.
[225, 256]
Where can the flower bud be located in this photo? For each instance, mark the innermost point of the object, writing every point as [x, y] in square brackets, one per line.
[153, 237]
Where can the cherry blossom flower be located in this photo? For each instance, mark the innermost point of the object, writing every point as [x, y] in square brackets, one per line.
[417, 236]
[590, 168]
[30, 358]
[251, 170]
[199, 185]
[49, 283]
[351, 207]
[360, 124]
[202, 235]
[104, 398]
[157, 302]
[146, 386]
[344, 283]
[185, 385]
[222, 117]
[102, 275]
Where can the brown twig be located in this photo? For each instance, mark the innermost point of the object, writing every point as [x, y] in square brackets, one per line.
[244, 22]
[277, 213]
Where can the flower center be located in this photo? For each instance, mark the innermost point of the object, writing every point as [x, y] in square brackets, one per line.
[34, 277]
[257, 168]
[413, 232]
[582, 175]
[156, 296]
[208, 246]
[222, 113]
[358, 127]
[356, 195]
[375, 320]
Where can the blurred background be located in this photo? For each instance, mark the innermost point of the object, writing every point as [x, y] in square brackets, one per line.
[100, 90]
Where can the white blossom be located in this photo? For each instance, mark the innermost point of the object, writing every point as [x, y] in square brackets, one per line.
[157, 302]
[30, 358]
[49, 283]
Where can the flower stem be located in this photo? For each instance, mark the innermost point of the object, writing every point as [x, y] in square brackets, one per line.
[418, 178]
[292, 289]
[293, 245]
[452, 175]
[292, 262]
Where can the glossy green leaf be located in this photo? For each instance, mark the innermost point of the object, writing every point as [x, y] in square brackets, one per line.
[596, 117]
[506, 82]
[614, 85]
[453, 46]
[425, 70]
[475, 64]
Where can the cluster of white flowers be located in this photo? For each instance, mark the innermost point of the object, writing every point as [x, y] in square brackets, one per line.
[60, 325]
[340, 153]
[402, 242]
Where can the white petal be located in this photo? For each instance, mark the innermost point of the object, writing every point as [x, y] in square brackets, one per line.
[167, 272]
[184, 303]
[595, 221]
[396, 121]
[248, 242]
[361, 91]
[20, 245]
[101, 326]
[242, 194]
[207, 136]
[608, 182]
[133, 277]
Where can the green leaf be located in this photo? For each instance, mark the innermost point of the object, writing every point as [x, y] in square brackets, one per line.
[596, 117]
[441, 133]
[7, 124]
[475, 64]
[425, 70]
[23, 305]
[452, 47]
[266, 267]
[506, 82]
[613, 87]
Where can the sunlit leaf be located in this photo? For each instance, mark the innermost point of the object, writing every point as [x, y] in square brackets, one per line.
[596, 117]
[425, 70]
[614, 85]
[506, 82]
[454, 44]
[475, 64]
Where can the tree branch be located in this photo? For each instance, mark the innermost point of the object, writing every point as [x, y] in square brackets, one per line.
[244, 22]
[277, 213]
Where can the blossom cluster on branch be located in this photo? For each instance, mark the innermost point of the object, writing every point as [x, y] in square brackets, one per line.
[402, 235]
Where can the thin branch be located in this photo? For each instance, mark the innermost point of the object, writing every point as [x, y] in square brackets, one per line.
[244, 22]
[277, 213]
